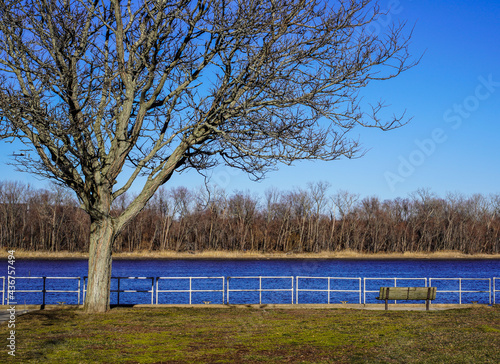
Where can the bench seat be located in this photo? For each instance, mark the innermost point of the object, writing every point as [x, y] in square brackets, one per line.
[407, 293]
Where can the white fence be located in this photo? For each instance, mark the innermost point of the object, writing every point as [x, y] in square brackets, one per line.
[329, 289]
[43, 290]
[495, 290]
[460, 289]
[190, 290]
[394, 282]
[120, 290]
[3, 290]
[270, 289]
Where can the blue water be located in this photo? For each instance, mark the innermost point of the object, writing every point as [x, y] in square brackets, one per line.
[284, 289]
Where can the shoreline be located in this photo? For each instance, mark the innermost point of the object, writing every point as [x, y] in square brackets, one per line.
[253, 255]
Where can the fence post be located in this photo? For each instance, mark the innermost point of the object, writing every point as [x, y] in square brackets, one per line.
[328, 290]
[297, 291]
[359, 290]
[364, 290]
[118, 292]
[84, 289]
[157, 279]
[460, 290]
[190, 288]
[43, 294]
[152, 289]
[260, 290]
[489, 284]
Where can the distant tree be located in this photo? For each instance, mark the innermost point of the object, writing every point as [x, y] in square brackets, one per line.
[344, 202]
[317, 192]
[106, 92]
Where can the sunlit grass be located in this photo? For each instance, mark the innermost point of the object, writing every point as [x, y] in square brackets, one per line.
[209, 335]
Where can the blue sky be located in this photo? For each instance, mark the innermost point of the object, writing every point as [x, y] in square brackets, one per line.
[450, 145]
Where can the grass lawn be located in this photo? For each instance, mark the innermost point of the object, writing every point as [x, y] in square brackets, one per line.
[209, 335]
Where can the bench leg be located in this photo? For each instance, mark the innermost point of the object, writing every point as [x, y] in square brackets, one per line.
[386, 304]
[427, 304]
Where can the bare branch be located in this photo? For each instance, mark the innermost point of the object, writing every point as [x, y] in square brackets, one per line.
[148, 88]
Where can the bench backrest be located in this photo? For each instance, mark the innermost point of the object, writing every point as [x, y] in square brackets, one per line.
[407, 293]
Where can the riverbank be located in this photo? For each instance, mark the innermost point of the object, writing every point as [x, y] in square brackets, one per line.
[23, 254]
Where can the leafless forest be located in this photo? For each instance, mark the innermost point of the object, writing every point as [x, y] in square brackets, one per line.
[311, 219]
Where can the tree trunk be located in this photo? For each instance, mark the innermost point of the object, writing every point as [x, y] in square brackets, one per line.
[99, 280]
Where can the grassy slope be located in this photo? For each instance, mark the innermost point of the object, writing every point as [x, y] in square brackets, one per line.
[206, 335]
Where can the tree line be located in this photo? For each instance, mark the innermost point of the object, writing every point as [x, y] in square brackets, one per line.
[307, 219]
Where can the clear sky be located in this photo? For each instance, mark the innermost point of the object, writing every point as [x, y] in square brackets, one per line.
[451, 144]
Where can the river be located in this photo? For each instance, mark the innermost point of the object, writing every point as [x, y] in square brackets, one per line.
[361, 286]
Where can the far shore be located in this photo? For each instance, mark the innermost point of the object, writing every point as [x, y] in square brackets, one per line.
[23, 254]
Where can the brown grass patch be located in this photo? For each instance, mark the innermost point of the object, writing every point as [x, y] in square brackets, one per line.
[346, 254]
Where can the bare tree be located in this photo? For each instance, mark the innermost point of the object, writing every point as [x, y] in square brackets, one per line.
[108, 91]
[14, 198]
[344, 202]
[272, 196]
[43, 220]
[317, 192]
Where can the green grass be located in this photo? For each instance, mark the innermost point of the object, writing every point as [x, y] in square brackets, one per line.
[204, 335]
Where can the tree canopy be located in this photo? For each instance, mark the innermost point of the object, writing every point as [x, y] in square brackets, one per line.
[103, 91]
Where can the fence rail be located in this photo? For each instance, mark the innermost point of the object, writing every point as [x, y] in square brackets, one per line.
[460, 290]
[277, 286]
[44, 289]
[118, 290]
[329, 287]
[190, 290]
[395, 282]
[260, 289]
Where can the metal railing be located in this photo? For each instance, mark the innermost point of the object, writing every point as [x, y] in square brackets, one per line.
[3, 290]
[260, 289]
[190, 290]
[44, 289]
[495, 290]
[279, 285]
[329, 288]
[460, 291]
[395, 280]
[118, 290]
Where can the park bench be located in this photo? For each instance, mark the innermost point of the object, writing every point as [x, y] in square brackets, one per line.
[407, 293]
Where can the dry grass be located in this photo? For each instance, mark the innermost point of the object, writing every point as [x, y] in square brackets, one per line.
[346, 254]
